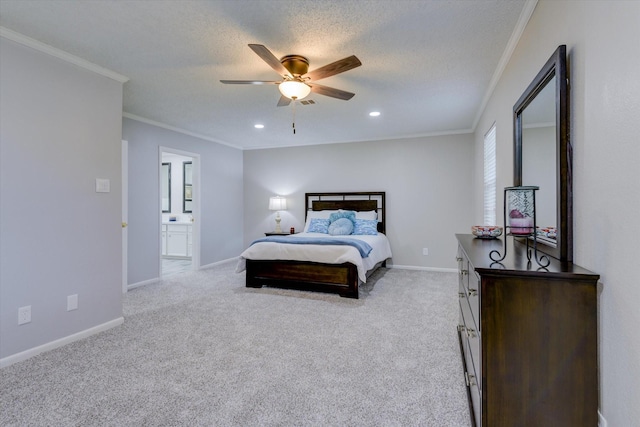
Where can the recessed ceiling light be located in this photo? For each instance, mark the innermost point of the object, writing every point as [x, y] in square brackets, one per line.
[258, 126]
[374, 113]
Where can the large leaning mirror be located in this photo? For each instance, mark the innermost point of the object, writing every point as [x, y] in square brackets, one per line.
[542, 154]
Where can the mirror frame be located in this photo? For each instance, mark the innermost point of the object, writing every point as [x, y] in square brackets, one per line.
[187, 187]
[168, 165]
[556, 66]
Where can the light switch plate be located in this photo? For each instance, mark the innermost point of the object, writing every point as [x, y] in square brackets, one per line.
[103, 185]
[72, 302]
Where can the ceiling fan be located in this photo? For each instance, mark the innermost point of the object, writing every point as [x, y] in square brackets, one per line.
[297, 82]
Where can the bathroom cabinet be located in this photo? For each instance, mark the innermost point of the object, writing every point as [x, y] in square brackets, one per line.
[177, 240]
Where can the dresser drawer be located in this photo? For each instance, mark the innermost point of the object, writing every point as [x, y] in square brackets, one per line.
[471, 337]
[471, 377]
[471, 282]
[473, 296]
[474, 346]
[469, 320]
[476, 402]
[469, 323]
[463, 272]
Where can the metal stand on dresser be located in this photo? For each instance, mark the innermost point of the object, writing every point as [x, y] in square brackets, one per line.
[528, 337]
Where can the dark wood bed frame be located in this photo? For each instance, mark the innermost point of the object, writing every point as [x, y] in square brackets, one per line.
[334, 278]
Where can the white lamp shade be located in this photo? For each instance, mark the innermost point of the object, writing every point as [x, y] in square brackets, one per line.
[294, 90]
[277, 203]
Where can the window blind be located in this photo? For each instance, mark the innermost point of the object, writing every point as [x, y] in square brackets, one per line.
[490, 176]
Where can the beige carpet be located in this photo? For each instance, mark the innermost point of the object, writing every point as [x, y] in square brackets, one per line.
[201, 349]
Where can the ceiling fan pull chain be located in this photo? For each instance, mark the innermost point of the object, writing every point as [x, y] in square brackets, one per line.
[294, 115]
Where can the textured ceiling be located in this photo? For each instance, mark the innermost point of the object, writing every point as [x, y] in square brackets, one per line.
[427, 65]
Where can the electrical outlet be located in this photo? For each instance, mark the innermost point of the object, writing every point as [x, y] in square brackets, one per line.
[24, 315]
[425, 251]
[72, 302]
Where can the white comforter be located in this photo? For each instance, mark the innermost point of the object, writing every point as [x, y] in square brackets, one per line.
[327, 254]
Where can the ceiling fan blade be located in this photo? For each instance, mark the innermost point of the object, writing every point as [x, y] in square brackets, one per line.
[283, 101]
[249, 82]
[270, 59]
[330, 91]
[334, 68]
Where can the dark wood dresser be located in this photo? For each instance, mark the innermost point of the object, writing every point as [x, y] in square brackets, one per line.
[528, 338]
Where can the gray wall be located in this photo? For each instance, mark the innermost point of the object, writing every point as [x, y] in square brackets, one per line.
[604, 57]
[427, 181]
[61, 129]
[220, 194]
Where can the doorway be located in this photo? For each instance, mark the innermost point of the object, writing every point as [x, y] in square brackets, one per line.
[179, 211]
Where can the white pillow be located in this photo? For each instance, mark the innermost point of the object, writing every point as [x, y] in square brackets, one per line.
[369, 215]
[317, 214]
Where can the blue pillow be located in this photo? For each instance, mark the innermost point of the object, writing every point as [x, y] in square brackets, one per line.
[351, 215]
[341, 227]
[366, 227]
[318, 225]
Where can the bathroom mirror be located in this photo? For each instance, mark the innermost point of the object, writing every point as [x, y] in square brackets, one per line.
[542, 154]
[166, 187]
[187, 179]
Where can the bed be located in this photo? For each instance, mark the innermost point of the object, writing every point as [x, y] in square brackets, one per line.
[336, 267]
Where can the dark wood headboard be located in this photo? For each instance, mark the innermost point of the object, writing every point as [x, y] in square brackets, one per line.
[358, 201]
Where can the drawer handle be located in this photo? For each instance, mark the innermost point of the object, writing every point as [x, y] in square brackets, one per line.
[473, 292]
[469, 379]
[471, 333]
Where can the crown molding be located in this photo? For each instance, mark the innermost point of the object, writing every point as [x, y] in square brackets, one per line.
[60, 54]
[176, 129]
[355, 141]
[523, 20]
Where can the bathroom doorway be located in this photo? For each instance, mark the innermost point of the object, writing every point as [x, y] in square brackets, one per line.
[179, 209]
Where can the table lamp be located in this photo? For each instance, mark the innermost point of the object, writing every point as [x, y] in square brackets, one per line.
[277, 204]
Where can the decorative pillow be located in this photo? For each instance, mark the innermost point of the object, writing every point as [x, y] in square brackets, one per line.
[341, 227]
[365, 227]
[351, 215]
[318, 225]
[316, 214]
[366, 215]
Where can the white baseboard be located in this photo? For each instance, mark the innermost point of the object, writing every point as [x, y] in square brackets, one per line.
[157, 279]
[413, 267]
[217, 263]
[144, 282]
[601, 421]
[24, 355]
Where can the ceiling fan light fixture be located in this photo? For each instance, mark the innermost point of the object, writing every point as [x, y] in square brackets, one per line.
[293, 89]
